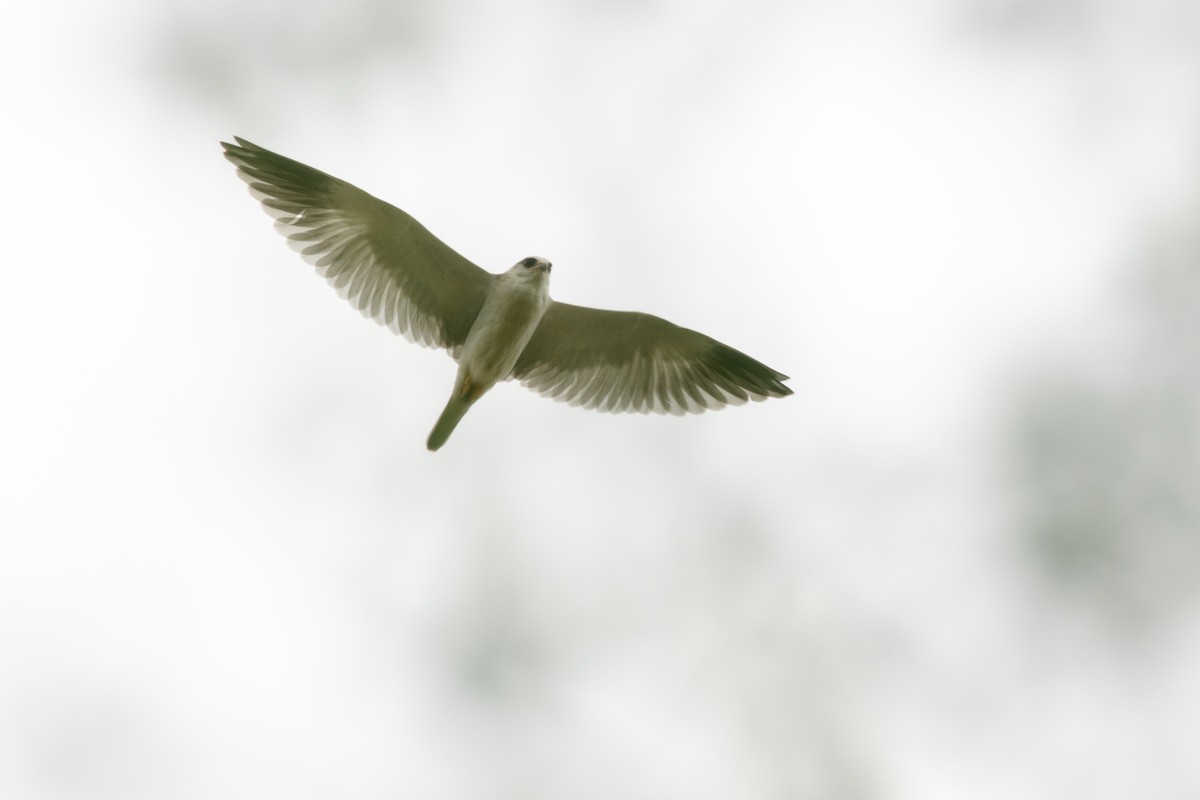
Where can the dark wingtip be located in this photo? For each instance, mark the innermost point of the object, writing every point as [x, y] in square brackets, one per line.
[235, 153]
[784, 391]
[243, 147]
[751, 374]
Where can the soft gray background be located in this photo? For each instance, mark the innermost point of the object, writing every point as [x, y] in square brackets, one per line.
[961, 562]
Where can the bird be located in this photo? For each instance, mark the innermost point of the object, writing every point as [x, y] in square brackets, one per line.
[496, 326]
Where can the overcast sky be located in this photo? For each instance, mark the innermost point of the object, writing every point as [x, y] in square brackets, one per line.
[961, 561]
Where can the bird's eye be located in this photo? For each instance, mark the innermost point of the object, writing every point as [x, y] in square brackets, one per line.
[529, 263]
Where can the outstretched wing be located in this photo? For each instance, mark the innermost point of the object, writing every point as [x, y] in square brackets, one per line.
[379, 258]
[626, 361]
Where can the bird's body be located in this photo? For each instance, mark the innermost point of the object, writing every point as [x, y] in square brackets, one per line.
[507, 320]
[496, 326]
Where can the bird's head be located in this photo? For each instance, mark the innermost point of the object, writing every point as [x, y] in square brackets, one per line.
[532, 266]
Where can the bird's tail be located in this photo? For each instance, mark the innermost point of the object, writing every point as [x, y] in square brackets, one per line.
[448, 421]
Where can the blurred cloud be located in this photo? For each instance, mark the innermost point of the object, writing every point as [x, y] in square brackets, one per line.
[959, 562]
[1107, 451]
[238, 57]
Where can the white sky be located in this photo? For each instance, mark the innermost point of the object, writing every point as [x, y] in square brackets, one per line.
[229, 568]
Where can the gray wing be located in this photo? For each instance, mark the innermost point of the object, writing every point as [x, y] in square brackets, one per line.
[379, 258]
[626, 361]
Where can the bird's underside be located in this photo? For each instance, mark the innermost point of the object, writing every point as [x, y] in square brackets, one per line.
[497, 327]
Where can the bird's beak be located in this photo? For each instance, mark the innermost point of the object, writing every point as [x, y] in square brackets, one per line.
[546, 267]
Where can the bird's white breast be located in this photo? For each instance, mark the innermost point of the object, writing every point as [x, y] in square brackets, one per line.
[507, 320]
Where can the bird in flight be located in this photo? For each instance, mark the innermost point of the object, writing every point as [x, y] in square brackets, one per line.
[495, 326]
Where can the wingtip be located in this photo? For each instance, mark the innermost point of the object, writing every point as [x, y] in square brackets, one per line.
[238, 144]
[233, 152]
